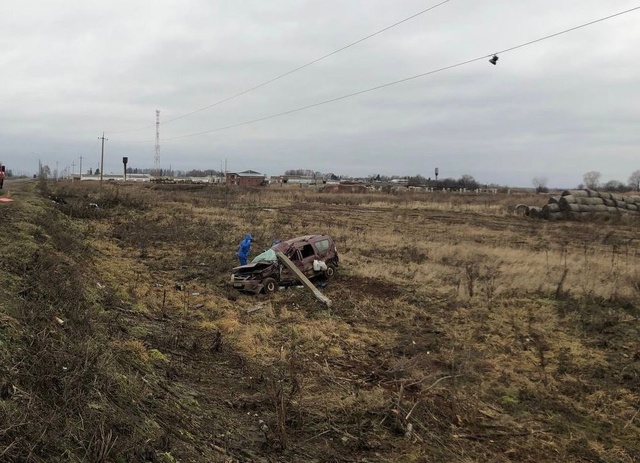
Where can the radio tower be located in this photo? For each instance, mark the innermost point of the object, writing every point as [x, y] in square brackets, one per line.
[156, 159]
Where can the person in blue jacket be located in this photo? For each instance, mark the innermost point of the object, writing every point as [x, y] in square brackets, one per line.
[244, 249]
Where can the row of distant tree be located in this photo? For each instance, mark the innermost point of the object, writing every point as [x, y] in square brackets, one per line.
[466, 181]
[592, 180]
[47, 172]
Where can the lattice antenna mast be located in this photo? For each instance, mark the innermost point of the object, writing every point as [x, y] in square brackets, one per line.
[156, 159]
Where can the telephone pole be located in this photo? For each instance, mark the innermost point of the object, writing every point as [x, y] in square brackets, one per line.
[80, 167]
[156, 159]
[102, 158]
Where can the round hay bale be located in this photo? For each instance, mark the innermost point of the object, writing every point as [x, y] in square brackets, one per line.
[605, 195]
[575, 193]
[555, 216]
[521, 210]
[636, 199]
[612, 210]
[544, 212]
[535, 212]
[589, 201]
[632, 207]
[571, 208]
[553, 207]
[616, 196]
[599, 208]
[592, 193]
[601, 216]
[565, 201]
[554, 200]
[609, 202]
[620, 204]
[585, 208]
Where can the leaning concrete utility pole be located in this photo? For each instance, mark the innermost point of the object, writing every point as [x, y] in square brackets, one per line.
[302, 278]
[102, 159]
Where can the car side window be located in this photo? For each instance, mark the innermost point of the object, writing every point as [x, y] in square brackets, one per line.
[322, 246]
[307, 251]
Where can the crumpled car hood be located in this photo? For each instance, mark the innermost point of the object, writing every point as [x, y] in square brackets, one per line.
[253, 267]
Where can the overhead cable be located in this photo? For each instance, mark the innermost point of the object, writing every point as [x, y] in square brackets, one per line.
[389, 84]
[288, 73]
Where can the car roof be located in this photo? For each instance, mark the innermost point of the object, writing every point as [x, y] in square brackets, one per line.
[301, 239]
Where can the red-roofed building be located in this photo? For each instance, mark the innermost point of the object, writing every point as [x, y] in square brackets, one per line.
[246, 178]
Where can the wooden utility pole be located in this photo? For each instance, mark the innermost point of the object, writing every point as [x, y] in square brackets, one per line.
[102, 159]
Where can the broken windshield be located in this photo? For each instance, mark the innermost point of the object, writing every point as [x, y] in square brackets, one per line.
[267, 256]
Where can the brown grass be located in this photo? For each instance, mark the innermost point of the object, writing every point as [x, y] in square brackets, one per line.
[459, 332]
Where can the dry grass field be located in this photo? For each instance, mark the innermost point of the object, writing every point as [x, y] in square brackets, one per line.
[458, 331]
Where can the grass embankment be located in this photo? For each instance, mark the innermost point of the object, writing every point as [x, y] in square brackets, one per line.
[458, 332]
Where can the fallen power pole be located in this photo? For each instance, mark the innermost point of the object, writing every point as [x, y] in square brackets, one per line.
[302, 278]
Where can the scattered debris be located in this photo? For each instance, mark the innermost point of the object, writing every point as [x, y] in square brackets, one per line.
[255, 308]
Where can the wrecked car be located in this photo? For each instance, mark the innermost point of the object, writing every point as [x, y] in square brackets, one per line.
[314, 255]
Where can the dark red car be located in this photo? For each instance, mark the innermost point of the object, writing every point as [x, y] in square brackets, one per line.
[315, 256]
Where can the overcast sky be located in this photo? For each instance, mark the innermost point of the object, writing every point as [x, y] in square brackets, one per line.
[559, 108]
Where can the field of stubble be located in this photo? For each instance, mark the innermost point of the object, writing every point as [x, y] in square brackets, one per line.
[458, 332]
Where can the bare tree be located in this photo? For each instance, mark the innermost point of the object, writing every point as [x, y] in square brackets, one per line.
[592, 179]
[634, 180]
[614, 185]
[540, 184]
[467, 181]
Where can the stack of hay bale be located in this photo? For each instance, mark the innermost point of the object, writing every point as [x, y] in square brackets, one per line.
[587, 205]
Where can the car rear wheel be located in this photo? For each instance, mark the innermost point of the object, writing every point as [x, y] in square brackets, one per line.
[330, 271]
[269, 285]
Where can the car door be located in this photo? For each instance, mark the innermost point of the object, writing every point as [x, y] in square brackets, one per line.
[286, 276]
[307, 256]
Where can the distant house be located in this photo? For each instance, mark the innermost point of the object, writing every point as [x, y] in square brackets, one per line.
[276, 180]
[246, 178]
[302, 180]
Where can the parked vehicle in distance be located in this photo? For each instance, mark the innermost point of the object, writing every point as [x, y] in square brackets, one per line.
[314, 255]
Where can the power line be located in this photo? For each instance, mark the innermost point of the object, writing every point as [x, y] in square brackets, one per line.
[310, 63]
[418, 76]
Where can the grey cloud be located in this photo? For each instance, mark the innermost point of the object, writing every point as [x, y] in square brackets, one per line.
[558, 108]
